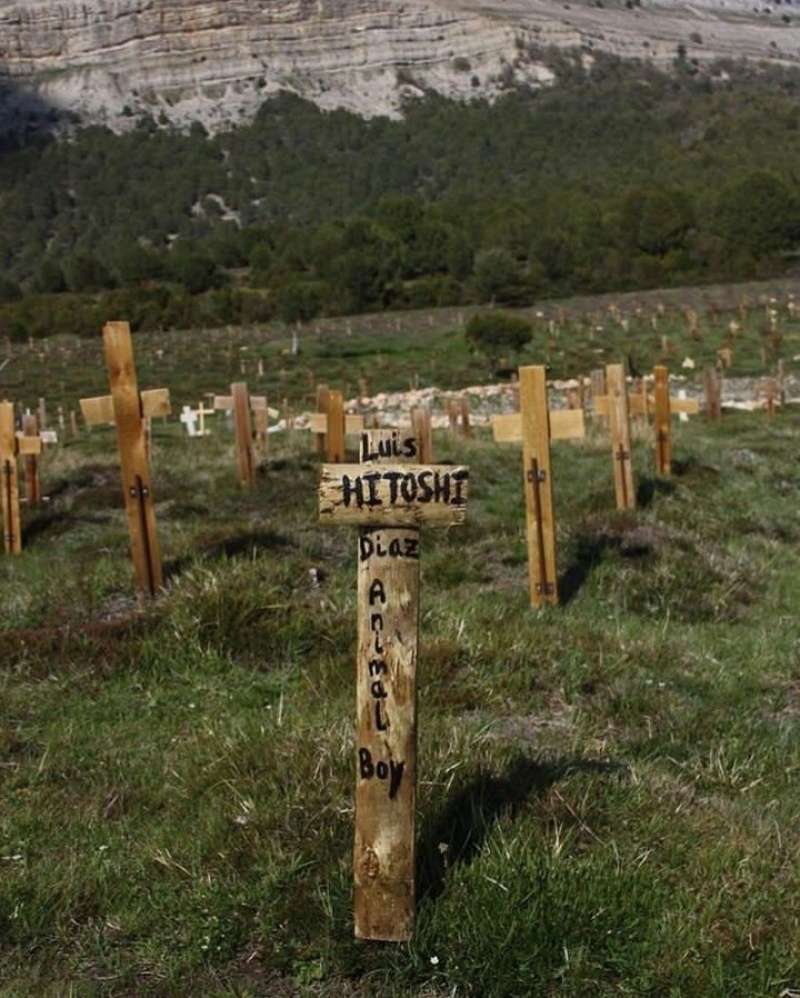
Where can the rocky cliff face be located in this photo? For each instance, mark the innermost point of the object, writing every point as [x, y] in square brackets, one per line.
[181, 60]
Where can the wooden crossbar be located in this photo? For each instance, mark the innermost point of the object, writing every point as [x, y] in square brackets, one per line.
[353, 423]
[565, 424]
[100, 409]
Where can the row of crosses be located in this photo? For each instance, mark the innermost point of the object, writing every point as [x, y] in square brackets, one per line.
[535, 425]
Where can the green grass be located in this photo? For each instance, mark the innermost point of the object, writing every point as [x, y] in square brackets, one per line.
[398, 351]
[607, 790]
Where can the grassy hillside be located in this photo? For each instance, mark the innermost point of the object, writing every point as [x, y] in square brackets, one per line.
[607, 798]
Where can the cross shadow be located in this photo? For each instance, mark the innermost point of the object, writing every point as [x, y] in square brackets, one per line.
[588, 554]
[243, 545]
[628, 539]
[44, 521]
[649, 488]
[458, 834]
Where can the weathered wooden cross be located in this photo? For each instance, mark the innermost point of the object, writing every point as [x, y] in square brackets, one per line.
[664, 407]
[458, 416]
[244, 406]
[128, 409]
[31, 446]
[12, 444]
[202, 412]
[535, 426]
[332, 426]
[389, 499]
[615, 404]
[322, 397]
[713, 385]
[422, 431]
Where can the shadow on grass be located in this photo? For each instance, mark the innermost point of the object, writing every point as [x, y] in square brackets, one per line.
[649, 488]
[459, 833]
[574, 577]
[243, 545]
[590, 552]
[619, 533]
[47, 522]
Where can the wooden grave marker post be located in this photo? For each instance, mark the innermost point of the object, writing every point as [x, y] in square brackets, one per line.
[129, 409]
[33, 487]
[458, 416]
[597, 385]
[665, 406]
[535, 426]
[619, 417]
[389, 499]
[422, 431]
[238, 402]
[244, 407]
[261, 415]
[243, 430]
[12, 444]
[466, 429]
[617, 406]
[322, 400]
[770, 391]
[641, 403]
[333, 426]
[202, 412]
[663, 435]
[712, 379]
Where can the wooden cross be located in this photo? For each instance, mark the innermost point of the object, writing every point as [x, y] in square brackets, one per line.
[12, 444]
[713, 386]
[128, 409]
[535, 426]
[422, 431]
[616, 405]
[768, 388]
[335, 428]
[262, 414]
[329, 423]
[242, 404]
[664, 407]
[195, 419]
[202, 412]
[322, 400]
[333, 425]
[458, 416]
[619, 414]
[389, 500]
[30, 431]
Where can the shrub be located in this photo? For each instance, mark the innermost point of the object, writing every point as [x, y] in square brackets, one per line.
[496, 333]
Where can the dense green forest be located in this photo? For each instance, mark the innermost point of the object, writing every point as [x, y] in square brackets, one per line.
[617, 178]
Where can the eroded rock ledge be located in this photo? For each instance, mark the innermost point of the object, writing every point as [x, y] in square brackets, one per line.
[111, 61]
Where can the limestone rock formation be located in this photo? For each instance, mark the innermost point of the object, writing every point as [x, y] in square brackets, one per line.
[112, 61]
